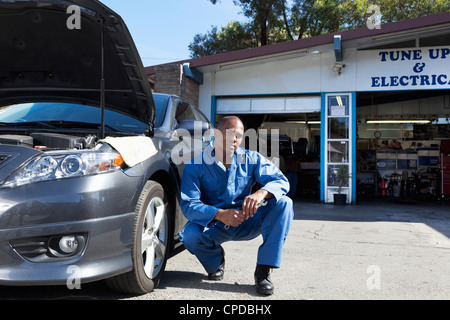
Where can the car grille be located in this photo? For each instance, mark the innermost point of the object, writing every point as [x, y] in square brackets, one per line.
[31, 249]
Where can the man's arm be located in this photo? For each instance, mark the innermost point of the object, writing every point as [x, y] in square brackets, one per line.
[275, 184]
[191, 205]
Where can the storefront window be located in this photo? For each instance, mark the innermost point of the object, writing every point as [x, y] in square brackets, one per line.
[338, 152]
[338, 128]
[333, 180]
[338, 105]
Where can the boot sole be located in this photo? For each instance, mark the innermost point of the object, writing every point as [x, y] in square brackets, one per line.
[265, 292]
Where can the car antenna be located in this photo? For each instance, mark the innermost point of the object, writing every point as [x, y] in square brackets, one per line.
[102, 81]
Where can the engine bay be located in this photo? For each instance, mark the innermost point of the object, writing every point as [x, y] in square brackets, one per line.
[45, 141]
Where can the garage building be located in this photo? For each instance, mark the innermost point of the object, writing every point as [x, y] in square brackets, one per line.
[374, 103]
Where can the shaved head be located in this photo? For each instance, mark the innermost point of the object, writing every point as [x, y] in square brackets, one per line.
[228, 137]
[223, 123]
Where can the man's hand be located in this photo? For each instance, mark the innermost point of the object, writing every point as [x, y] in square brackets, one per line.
[230, 217]
[252, 202]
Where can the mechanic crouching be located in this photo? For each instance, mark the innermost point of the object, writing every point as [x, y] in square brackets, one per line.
[217, 199]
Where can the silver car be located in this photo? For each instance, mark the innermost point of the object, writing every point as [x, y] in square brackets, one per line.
[88, 185]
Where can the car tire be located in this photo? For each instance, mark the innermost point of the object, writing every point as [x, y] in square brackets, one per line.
[151, 243]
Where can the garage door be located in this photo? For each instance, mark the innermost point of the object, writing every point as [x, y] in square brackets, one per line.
[268, 105]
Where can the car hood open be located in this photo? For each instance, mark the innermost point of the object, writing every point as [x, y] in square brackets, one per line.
[49, 52]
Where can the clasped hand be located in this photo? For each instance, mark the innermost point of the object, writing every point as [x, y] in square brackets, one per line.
[234, 217]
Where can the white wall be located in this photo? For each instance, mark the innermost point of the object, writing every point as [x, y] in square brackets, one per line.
[312, 73]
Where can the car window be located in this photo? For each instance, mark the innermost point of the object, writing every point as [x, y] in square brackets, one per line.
[186, 111]
[200, 115]
[40, 112]
[161, 102]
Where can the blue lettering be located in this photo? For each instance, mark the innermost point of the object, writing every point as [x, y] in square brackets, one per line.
[432, 55]
[383, 55]
[401, 55]
[439, 53]
[375, 81]
[414, 80]
[433, 79]
[417, 54]
[404, 81]
[406, 55]
[445, 52]
[442, 79]
[424, 80]
[394, 81]
[391, 55]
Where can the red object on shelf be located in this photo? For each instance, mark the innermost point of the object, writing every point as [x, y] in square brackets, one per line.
[383, 188]
[446, 174]
[445, 146]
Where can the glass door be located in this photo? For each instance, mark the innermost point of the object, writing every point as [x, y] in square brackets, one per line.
[338, 146]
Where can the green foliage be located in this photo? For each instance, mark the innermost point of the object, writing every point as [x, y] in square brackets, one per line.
[273, 21]
[341, 175]
[234, 36]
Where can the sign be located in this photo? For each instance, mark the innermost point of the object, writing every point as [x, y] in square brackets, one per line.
[337, 111]
[403, 69]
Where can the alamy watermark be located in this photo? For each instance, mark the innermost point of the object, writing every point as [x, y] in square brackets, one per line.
[374, 280]
[374, 21]
[74, 279]
[74, 21]
[266, 142]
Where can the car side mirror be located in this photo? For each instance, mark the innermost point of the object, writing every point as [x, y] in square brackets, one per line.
[193, 129]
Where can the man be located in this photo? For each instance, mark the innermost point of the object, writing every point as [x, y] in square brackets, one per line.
[217, 199]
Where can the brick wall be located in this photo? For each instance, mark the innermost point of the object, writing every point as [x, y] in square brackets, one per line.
[171, 79]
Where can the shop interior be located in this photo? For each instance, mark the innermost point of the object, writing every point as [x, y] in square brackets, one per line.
[403, 149]
[402, 146]
[298, 154]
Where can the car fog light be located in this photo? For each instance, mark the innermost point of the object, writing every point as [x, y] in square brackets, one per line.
[68, 244]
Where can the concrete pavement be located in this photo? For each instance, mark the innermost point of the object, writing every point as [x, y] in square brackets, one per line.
[377, 250]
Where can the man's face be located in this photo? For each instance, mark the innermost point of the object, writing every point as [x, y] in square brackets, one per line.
[229, 137]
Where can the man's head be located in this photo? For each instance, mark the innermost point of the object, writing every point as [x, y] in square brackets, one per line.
[228, 136]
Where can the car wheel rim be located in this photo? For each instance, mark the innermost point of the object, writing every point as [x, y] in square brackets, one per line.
[154, 237]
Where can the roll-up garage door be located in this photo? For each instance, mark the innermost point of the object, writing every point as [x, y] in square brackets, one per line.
[268, 105]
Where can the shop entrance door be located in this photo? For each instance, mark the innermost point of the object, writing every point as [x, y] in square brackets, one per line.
[338, 146]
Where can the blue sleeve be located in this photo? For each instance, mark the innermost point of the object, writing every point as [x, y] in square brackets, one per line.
[190, 201]
[270, 177]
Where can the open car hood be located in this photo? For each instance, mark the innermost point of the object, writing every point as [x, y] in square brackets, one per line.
[49, 52]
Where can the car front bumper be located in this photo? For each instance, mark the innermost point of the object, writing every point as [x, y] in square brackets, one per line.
[96, 210]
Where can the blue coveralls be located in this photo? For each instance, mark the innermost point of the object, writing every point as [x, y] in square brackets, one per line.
[207, 186]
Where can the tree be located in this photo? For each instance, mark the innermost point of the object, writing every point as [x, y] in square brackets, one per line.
[234, 36]
[273, 21]
[401, 9]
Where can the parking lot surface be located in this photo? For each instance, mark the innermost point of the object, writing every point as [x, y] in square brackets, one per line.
[376, 250]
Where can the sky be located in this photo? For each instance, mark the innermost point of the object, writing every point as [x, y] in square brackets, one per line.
[163, 29]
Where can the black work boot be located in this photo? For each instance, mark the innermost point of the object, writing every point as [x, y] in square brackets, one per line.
[218, 275]
[262, 280]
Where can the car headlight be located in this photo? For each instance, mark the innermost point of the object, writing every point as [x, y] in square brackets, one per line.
[61, 165]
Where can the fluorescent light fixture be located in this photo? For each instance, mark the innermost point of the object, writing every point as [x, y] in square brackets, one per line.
[304, 122]
[398, 121]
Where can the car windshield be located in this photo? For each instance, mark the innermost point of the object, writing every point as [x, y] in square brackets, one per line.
[65, 112]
